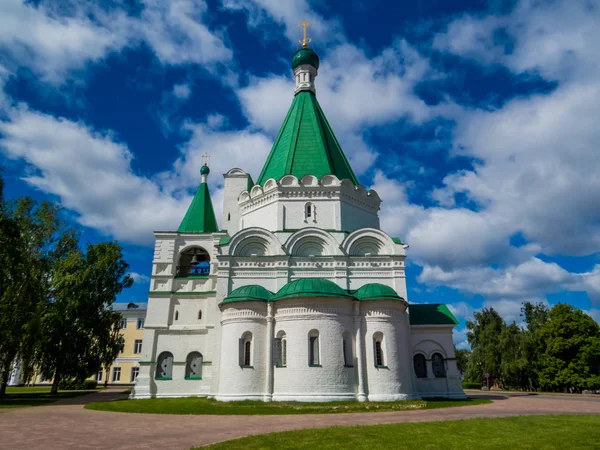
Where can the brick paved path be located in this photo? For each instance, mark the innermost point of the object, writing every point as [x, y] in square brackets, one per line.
[68, 426]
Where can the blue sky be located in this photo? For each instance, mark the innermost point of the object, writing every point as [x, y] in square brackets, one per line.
[476, 121]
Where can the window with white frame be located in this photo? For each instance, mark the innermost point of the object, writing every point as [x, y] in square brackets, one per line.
[116, 375]
[438, 366]
[140, 324]
[164, 366]
[313, 348]
[309, 211]
[99, 376]
[280, 350]
[135, 371]
[137, 346]
[246, 350]
[378, 350]
[123, 323]
[193, 366]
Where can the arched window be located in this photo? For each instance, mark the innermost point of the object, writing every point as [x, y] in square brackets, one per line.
[347, 349]
[164, 366]
[313, 348]
[193, 366]
[420, 365]
[378, 351]
[228, 217]
[438, 366]
[308, 211]
[176, 315]
[246, 350]
[200, 315]
[193, 261]
[280, 350]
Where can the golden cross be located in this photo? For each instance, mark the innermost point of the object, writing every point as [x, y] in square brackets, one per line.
[205, 158]
[304, 24]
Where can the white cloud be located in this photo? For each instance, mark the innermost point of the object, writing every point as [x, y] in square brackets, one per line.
[461, 310]
[182, 91]
[460, 339]
[140, 278]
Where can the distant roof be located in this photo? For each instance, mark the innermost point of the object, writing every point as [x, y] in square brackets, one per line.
[124, 306]
[431, 314]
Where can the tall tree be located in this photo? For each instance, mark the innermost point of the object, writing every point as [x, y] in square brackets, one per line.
[79, 323]
[484, 338]
[462, 359]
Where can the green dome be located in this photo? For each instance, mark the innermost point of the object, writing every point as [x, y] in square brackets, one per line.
[311, 287]
[305, 56]
[377, 291]
[251, 292]
[204, 170]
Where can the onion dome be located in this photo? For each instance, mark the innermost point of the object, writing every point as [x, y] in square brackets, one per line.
[377, 291]
[204, 170]
[305, 56]
[249, 293]
[311, 287]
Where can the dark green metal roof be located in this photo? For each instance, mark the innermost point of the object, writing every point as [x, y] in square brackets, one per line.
[311, 287]
[377, 291]
[200, 216]
[305, 56]
[251, 292]
[306, 145]
[434, 314]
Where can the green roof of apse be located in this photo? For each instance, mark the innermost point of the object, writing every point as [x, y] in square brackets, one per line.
[376, 291]
[311, 287]
[200, 216]
[433, 314]
[306, 145]
[250, 292]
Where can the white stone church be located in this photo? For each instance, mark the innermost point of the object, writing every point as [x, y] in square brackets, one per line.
[299, 296]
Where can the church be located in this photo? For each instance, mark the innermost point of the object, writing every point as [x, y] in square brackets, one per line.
[298, 295]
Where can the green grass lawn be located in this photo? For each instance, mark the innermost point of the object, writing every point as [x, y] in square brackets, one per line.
[535, 432]
[19, 397]
[196, 405]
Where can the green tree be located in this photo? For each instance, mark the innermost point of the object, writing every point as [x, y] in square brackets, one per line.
[78, 324]
[484, 337]
[535, 317]
[462, 359]
[514, 366]
[571, 357]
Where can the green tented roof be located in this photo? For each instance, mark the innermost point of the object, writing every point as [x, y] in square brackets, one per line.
[200, 216]
[306, 145]
[251, 292]
[311, 287]
[377, 291]
[434, 314]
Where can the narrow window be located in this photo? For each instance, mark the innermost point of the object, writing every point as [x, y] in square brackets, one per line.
[378, 354]
[176, 315]
[193, 366]
[116, 375]
[438, 366]
[140, 324]
[137, 346]
[247, 353]
[123, 324]
[164, 366]
[313, 348]
[246, 350]
[228, 217]
[200, 315]
[135, 371]
[280, 350]
[347, 350]
[420, 365]
[308, 210]
[99, 376]
[284, 351]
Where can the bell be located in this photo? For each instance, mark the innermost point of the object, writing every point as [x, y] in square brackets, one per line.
[195, 259]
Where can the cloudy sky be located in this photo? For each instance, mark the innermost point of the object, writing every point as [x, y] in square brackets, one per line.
[477, 122]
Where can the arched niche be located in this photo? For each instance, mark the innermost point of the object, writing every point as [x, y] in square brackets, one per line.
[368, 242]
[312, 242]
[309, 180]
[254, 242]
[193, 261]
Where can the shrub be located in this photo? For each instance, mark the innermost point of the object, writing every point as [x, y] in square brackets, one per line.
[72, 384]
[471, 385]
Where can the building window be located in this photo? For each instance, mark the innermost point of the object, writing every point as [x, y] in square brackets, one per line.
[280, 350]
[135, 371]
[378, 350]
[137, 346]
[99, 376]
[347, 349]
[438, 366]
[116, 375]
[140, 324]
[200, 315]
[313, 348]
[123, 324]
[420, 365]
[308, 211]
[228, 217]
[164, 366]
[193, 366]
[246, 350]
[176, 315]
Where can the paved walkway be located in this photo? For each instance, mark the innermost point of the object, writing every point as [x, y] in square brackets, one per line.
[69, 426]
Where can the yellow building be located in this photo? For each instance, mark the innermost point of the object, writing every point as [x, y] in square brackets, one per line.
[126, 367]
